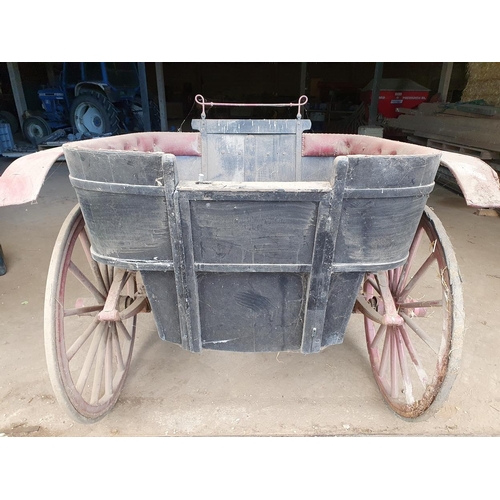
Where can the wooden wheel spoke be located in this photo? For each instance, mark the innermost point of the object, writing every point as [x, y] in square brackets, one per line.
[397, 277]
[108, 366]
[124, 330]
[408, 389]
[89, 359]
[380, 333]
[393, 279]
[384, 359]
[422, 375]
[85, 242]
[421, 304]
[368, 310]
[99, 367]
[117, 350]
[384, 383]
[369, 279]
[134, 308]
[390, 276]
[110, 273]
[81, 339]
[394, 365]
[387, 297]
[104, 273]
[419, 331]
[411, 284]
[82, 311]
[86, 282]
[409, 261]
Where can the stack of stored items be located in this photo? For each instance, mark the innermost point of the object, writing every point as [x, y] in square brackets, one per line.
[6, 139]
[472, 128]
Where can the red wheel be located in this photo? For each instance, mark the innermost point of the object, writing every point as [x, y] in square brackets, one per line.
[414, 323]
[88, 353]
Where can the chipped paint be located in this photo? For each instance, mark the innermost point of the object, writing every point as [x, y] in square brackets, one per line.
[23, 179]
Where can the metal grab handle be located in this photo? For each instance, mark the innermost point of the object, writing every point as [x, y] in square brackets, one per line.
[201, 101]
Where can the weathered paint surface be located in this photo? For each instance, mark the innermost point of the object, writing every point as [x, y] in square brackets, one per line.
[176, 143]
[22, 181]
[477, 180]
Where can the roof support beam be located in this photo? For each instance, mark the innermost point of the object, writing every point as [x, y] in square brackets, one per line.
[372, 120]
[303, 69]
[17, 90]
[162, 101]
[444, 81]
[146, 118]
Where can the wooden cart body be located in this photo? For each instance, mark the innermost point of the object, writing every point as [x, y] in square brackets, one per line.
[249, 238]
[252, 236]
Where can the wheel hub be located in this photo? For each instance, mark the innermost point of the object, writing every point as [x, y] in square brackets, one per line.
[88, 119]
[35, 131]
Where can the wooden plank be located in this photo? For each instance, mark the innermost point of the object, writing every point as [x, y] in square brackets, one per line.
[251, 150]
[434, 142]
[225, 156]
[190, 282]
[255, 187]
[479, 133]
[468, 113]
[406, 111]
[477, 109]
[254, 232]
[251, 312]
[187, 294]
[250, 166]
[256, 192]
[252, 268]
[256, 127]
[327, 226]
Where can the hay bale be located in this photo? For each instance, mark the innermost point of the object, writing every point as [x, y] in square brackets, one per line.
[483, 71]
[483, 82]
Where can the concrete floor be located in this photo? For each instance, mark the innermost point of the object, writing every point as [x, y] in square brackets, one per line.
[173, 392]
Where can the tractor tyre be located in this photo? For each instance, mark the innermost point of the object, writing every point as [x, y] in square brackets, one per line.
[9, 118]
[154, 115]
[92, 114]
[35, 128]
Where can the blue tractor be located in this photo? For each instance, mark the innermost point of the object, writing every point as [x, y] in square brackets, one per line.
[93, 99]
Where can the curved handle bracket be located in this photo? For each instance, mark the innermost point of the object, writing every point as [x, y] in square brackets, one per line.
[199, 99]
